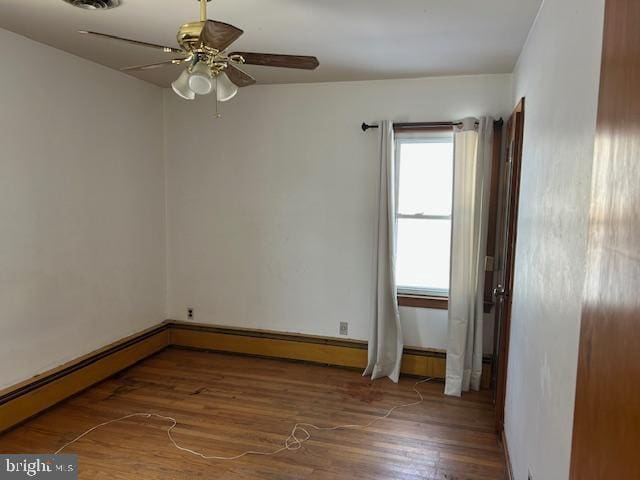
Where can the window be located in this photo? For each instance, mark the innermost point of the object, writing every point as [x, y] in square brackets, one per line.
[425, 189]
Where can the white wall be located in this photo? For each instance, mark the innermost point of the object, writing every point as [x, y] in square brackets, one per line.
[81, 207]
[558, 73]
[272, 209]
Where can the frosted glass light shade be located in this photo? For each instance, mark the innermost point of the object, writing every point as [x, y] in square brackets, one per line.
[181, 86]
[200, 80]
[225, 88]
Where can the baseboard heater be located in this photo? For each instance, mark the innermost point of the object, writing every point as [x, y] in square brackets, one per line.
[26, 399]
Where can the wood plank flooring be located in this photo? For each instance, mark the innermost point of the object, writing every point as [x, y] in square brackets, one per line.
[226, 404]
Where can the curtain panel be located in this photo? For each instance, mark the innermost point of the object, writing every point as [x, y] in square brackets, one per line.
[471, 186]
[385, 339]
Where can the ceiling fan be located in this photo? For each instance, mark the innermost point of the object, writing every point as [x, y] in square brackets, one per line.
[209, 67]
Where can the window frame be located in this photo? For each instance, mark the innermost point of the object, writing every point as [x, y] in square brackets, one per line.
[411, 296]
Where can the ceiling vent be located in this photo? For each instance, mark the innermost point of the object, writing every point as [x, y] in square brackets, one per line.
[95, 4]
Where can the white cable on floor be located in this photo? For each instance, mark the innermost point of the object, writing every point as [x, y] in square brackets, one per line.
[299, 434]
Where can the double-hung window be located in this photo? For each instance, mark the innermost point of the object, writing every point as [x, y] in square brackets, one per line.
[424, 162]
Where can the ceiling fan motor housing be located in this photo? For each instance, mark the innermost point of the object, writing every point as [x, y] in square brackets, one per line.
[189, 35]
[95, 4]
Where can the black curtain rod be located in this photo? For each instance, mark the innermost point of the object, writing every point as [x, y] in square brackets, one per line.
[365, 126]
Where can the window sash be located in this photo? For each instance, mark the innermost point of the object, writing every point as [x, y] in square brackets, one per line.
[413, 138]
[417, 289]
[427, 292]
[438, 137]
[421, 216]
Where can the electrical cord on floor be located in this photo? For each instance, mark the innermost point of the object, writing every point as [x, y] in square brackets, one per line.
[299, 433]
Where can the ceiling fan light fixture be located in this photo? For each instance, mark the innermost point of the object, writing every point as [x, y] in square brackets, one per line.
[200, 81]
[181, 86]
[225, 88]
[203, 46]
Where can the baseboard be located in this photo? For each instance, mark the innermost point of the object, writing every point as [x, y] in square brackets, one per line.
[507, 458]
[309, 348]
[269, 344]
[24, 400]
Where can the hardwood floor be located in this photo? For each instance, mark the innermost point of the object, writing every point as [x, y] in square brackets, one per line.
[226, 404]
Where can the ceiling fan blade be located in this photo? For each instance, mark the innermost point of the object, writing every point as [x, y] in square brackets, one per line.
[132, 42]
[238, 77]
[150, 66]
[219, 35]
[282, 61]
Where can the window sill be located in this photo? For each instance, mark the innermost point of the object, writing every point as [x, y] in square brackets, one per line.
[423, 301]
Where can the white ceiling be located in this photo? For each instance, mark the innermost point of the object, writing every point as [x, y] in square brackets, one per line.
[353, 39]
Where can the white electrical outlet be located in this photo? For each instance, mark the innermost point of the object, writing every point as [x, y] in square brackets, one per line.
[344, 328]
[190, 313]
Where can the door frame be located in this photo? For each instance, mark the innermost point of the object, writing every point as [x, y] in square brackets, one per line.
[509, 224]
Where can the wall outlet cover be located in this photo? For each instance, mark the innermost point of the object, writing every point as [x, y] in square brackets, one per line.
[190, 313]
[344, 328]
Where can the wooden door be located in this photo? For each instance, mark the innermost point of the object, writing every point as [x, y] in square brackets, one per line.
[606, 430]
[509, 222]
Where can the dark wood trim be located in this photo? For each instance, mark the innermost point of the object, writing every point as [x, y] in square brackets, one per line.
[423, 301]
[493, 213]
[515, 130]
[507, 456]
[177, 325]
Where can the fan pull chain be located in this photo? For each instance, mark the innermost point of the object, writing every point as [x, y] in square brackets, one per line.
[218, 114]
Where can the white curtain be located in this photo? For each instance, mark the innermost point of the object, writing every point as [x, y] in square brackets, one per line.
[471, 185]
[385, 339]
